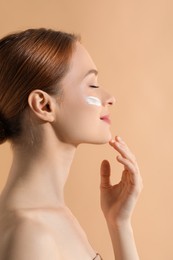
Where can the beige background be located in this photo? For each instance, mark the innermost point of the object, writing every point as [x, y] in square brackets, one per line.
[132, 44]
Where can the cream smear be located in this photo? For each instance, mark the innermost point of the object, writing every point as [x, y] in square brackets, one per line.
[93, 101]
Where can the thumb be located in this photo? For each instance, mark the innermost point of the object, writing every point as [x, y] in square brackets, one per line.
[105, 172]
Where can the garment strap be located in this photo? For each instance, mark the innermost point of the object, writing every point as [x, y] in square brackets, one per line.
[97, 255]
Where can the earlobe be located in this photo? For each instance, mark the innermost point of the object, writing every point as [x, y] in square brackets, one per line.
[42, 105]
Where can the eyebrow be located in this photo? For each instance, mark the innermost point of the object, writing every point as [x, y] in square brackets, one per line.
[90, 72]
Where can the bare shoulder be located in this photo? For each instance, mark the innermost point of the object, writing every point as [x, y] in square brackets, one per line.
[30, 239]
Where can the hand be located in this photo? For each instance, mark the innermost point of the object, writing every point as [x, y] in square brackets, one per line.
[118, 201]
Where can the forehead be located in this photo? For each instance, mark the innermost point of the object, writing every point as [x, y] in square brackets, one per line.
[81, 57]
[81, 64]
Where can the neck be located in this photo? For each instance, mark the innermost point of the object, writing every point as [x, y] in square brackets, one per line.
[38, 179]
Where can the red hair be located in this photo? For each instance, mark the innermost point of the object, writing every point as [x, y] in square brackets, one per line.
[31, 59]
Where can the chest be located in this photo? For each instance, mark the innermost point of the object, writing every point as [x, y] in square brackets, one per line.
[71, 240]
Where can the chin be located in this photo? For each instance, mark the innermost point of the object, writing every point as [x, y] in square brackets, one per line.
[97, 137]
[104, 141]
[101, 139]
[107, 138]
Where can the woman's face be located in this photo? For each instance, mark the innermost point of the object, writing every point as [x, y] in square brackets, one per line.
[82, 114]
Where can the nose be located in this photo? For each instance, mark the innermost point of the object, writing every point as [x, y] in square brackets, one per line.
[109, 100]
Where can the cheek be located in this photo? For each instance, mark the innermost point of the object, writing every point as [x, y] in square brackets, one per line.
[82, 127]
[82, 112]
[80, 121]
[93, 101]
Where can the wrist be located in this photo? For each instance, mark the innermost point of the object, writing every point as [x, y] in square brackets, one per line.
[119, 224]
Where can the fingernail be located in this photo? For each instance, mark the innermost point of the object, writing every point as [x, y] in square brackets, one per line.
[119, 138]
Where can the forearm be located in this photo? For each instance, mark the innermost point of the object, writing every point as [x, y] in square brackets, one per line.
[123, 242]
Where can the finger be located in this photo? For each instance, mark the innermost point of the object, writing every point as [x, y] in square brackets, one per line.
[130, 168]
[123, 149]
[127, 164]
[131, 173]
[120, 146]
[123, 177]
[105, 172]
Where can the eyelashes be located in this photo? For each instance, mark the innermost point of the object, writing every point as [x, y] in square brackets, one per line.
[94, 86]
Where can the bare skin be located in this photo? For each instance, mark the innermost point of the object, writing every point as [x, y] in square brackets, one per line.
[118, 201]
[35, 223]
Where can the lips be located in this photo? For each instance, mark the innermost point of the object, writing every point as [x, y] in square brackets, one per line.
[106, 119]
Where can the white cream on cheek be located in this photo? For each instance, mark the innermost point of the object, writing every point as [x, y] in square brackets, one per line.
[93, 101]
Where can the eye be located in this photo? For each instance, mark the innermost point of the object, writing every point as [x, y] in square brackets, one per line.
[94, 86]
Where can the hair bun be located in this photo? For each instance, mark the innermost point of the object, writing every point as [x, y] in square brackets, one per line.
[3, 132]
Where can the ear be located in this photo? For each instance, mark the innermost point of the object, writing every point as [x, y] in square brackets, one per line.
[42, 105]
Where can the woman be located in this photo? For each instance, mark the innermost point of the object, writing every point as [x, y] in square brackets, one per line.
[50, 102]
